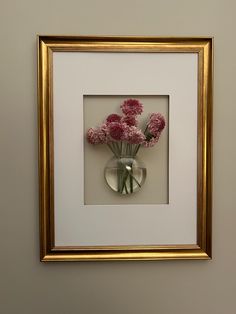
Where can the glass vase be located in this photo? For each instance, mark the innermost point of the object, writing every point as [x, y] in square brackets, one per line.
[125, 174]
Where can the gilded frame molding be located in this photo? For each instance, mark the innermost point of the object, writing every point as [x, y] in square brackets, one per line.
[203, 46]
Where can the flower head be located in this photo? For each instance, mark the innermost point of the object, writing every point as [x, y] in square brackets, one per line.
[130, 120]
[117, 130]
[132, 107]
[134, 135]
[113, 118]
[151, 140]
[97, 135]
[156, 124]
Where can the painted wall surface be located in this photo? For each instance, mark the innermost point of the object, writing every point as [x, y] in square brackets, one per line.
[178, 287]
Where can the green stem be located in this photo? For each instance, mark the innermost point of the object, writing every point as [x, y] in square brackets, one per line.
[131, 180]
[126, 190]
[125, 175]
[112, 149]
[121, 177]
[124, 182]
[135, 180]
[136, 150]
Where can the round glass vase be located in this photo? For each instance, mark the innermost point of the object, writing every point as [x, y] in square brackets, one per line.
[125, 174]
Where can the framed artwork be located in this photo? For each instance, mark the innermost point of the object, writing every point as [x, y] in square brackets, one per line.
[125, 148]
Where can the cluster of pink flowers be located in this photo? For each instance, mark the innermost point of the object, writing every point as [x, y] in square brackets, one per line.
[155, 126]
[130, 120]
[117, 128]
[156, 123]
[97, 135]
[132, 107]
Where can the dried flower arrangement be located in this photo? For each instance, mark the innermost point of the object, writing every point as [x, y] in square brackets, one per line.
[124, 173]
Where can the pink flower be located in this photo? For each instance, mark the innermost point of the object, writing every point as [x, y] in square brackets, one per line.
[132, 107]
[113, 118]
[96, 136]
[129, 120]
[156, 123]
[117, 130]
[134, 135]
[104, 128]
[151, 141]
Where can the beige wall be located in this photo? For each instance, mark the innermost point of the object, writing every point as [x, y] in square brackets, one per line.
[178, 287]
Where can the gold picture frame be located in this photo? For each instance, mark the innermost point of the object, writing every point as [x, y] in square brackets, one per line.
[202, 48]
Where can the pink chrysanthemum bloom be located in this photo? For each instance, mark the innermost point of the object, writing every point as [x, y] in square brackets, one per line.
[132, 107]
[96, 136]
[117, 130]
[105, 129]
[135, 135]
[156, 123]
[150, 142]
[130, 120]
[113, 118]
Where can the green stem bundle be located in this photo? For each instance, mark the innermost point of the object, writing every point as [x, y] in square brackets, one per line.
[125, 153]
